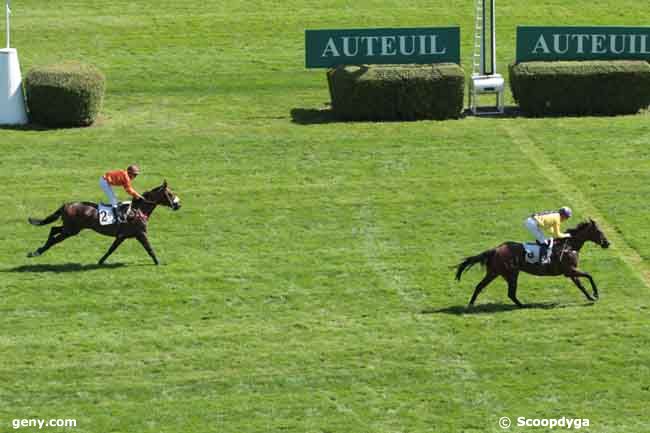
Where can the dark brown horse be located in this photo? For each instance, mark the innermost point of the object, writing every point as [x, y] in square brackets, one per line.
[507, 260]
[84, 215]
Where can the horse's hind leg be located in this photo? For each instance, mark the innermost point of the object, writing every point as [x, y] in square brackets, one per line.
[512, 288]
[57, 234]
[489, 277]
[53, 232]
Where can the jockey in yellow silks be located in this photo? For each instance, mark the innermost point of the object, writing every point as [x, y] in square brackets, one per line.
[549, 221]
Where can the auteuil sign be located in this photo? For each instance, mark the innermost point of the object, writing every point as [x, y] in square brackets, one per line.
[582, 43]
[326, 48]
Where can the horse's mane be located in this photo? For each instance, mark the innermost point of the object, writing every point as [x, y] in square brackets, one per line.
[161, 186]
[581, 226]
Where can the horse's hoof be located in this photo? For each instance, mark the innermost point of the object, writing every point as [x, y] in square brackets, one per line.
[33, 254]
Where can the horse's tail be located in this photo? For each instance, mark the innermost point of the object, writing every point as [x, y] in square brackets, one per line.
[471, 261]
[48, 220]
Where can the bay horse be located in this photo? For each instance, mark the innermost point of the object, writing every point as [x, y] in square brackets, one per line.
[77, 216]
[508, 259]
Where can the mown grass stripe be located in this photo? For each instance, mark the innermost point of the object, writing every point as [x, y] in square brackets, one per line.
[375, 250]
[565, 185]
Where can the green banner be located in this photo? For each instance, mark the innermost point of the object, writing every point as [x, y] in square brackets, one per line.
[326, 48]
[582, 43]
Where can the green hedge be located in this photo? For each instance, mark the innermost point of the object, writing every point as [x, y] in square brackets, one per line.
[68, 94]
[397, 92]
[581, 88]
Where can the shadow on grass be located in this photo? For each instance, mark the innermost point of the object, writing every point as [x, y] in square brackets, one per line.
[313, 116]
[38, 127]
[510, 112]
[460, 310]
[63, 267]
[32, 127]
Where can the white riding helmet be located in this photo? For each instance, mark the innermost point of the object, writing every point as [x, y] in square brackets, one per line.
[566, 211]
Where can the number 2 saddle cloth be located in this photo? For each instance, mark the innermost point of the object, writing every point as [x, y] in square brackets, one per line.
[106, 216]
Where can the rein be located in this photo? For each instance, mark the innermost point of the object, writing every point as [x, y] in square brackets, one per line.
[145, 202]
[566, 247]
[575, 242]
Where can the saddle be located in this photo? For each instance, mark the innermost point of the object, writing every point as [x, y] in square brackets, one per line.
[106, 216]
[532, 253]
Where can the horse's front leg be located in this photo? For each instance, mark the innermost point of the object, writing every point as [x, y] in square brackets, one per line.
[116, 243]
[142, 237]
[578, 284]
[576, 273]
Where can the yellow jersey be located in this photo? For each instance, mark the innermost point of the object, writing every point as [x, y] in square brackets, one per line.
[550, 221]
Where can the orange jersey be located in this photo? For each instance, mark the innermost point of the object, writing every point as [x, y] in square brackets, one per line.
[121, 178]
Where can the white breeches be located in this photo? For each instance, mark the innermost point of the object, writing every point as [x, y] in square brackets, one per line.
[106, 187]
[533, 227]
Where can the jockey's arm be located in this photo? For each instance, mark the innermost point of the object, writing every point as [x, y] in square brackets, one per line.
[132, 192]
[557, 233]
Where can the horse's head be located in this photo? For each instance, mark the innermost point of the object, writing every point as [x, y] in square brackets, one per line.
[162, 195]
[599, 235]
[590, 231]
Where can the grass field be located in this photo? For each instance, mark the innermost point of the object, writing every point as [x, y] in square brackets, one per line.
[307, 284]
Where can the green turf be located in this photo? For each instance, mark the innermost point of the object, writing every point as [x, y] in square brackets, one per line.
[307, 284]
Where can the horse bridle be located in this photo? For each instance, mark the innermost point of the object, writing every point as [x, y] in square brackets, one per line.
[169, 198]
[166, 194]
[170, 201]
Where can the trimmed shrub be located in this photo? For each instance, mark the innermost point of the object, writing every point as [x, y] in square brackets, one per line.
[397, 92]
[69, 94]
[581, 88]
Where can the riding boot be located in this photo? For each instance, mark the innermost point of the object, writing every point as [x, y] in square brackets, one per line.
[545, 253]
[542, 251]
[542, 254]
[116, 215]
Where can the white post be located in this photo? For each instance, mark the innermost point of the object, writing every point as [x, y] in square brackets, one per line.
[493, 28]
[12, 100]
[482, 66]
[8, 12]
[486, 82]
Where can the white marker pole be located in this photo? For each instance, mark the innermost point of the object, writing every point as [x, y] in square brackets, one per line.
[8, 13]
[12, 100]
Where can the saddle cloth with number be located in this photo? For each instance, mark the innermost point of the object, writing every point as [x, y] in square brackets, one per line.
[532, 252]
[105, 212]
